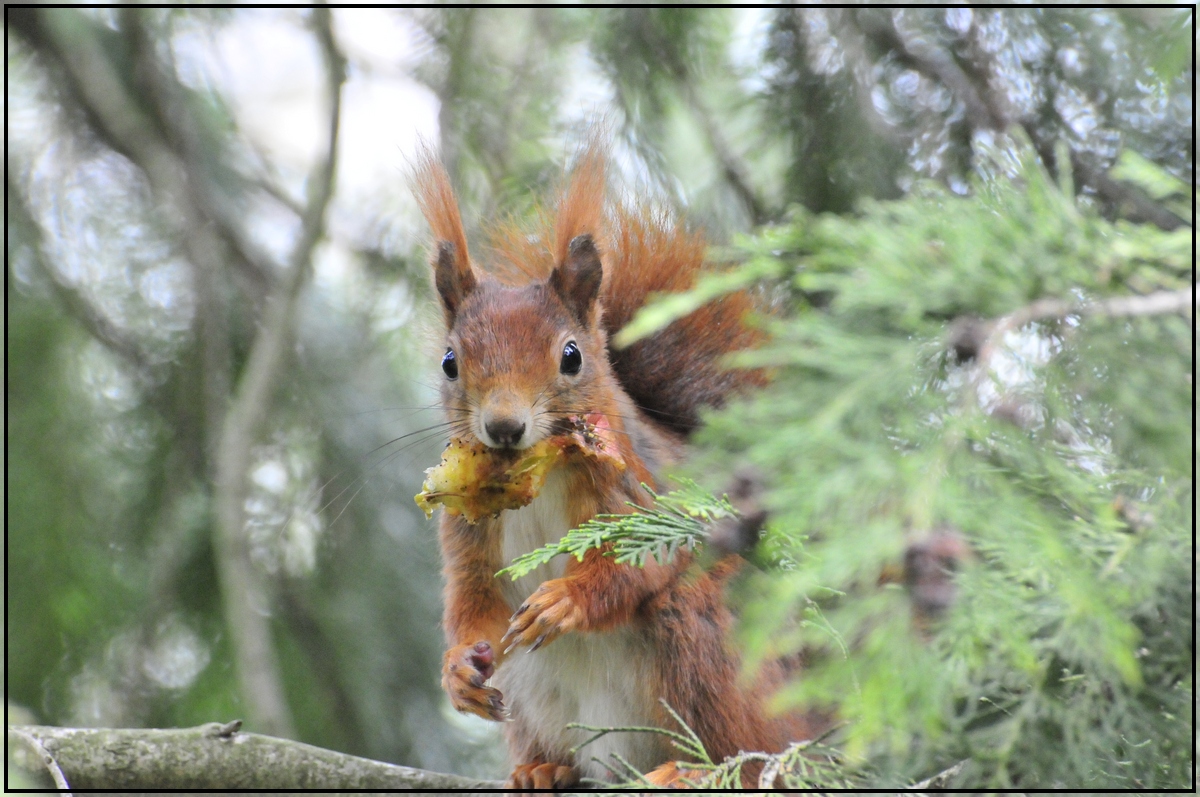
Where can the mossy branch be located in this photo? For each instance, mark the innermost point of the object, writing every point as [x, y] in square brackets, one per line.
[210, 756]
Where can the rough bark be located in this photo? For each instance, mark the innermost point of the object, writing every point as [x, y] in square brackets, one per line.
[210, 756]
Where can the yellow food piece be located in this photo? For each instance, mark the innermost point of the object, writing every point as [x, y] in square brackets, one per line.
[476, 481]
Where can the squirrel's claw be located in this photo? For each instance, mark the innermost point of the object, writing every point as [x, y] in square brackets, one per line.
[550, 612]
[486, 703]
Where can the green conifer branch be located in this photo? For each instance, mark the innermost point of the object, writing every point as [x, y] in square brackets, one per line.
[677, 520]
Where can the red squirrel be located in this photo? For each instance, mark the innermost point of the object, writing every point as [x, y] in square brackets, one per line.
[591, 641]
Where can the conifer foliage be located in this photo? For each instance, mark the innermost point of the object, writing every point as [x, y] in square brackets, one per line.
[977, 453]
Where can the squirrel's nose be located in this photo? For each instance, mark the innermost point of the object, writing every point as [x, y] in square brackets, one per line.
[505, 431]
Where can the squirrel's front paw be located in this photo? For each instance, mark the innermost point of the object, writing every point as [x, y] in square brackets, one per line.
[464, 669]
[548, 613]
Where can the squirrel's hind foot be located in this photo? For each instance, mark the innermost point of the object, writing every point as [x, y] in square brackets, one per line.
[671, 776]
[541, 776]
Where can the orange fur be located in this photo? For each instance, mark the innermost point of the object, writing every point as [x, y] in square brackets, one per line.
[645, 252]
[508, 335]
[436, 199]
[582, 207]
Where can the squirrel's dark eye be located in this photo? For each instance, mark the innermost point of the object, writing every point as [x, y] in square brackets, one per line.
[572, 359]
[450, 365]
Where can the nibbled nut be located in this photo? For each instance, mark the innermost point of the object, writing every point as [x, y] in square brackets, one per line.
[475, 481]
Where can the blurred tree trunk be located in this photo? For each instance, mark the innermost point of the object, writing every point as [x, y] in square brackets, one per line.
[132, 101]
[246, 596]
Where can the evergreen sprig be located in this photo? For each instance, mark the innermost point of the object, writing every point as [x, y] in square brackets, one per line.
[677, 520]
[1013, 371]
[808, 764]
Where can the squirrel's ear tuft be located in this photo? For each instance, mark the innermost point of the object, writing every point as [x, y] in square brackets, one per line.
[452, 272]
[453, 277]
[577, 279]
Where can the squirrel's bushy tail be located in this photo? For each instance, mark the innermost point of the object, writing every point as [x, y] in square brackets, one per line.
[678, 370]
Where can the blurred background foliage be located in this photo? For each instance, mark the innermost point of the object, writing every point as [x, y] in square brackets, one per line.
[161, 173]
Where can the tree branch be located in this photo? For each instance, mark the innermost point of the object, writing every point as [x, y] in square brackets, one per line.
[1124, 198]
[979, 339]
[69, 44]
[211, 756]
[98, 325]
[735, 172]
[854, 29]
[244, 595]
[938, 64]
[1159, 303]
[60, 780]
[1129, 200]
[988, 110]
[185, 135]
[65, 40]
[732, 168]
[941, 780]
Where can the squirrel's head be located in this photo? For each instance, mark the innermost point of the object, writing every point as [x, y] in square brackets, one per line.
[519, 360]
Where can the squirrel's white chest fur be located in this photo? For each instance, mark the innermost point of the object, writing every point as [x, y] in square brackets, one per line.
[595, 678]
